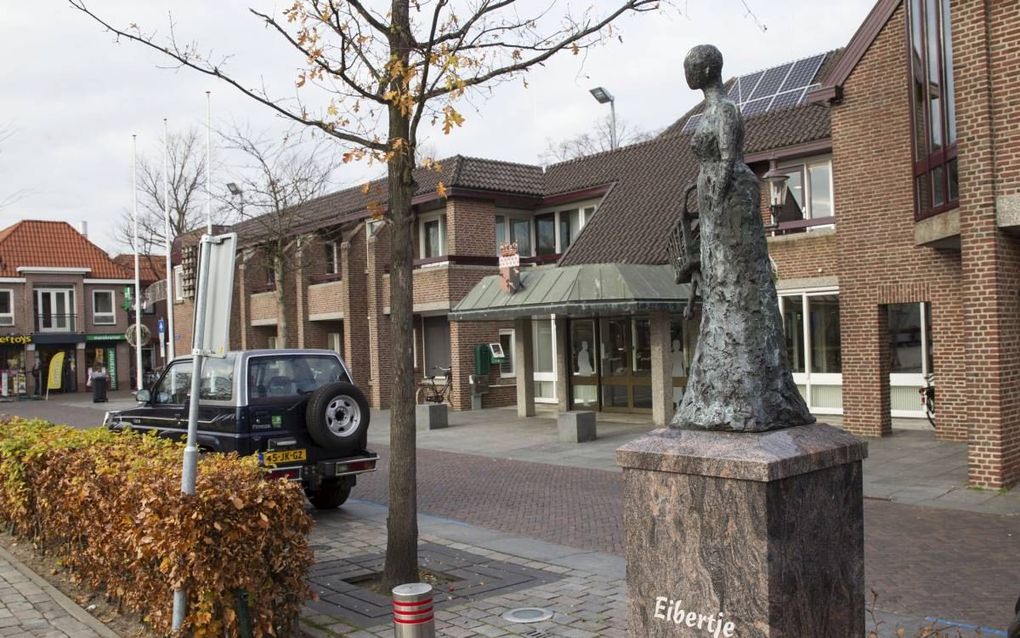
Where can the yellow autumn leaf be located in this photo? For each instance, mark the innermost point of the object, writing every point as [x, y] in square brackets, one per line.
[441, 189]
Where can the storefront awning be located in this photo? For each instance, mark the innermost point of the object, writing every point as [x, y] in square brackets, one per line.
[576, 291]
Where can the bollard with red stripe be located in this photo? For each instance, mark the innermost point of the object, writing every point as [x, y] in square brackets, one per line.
[412, 611]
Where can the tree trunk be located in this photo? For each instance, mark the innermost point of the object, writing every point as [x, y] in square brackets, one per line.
[402, 522]
[281, 309]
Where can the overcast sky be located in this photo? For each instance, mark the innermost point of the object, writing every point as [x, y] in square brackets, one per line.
[72, 97]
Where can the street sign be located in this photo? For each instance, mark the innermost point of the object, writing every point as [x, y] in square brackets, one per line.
[212, 301]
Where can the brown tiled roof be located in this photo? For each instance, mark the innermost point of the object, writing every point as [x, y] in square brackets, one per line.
[150, 267]
[457, 171]
[54, 245]
[648, 181]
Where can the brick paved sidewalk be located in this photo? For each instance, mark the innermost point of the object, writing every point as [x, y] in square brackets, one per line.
[585, 590]
[30, 607]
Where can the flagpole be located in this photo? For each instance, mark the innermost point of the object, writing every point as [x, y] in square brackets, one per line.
[138, 284]
[208, 163]
[167, 243]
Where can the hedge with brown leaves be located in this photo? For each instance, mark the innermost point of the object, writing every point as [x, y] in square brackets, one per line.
[109, 506]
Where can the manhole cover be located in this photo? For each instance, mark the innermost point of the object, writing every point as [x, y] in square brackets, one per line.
[527, 615]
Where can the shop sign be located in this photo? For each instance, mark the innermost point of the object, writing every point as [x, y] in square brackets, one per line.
[15, 340]
[105, 337]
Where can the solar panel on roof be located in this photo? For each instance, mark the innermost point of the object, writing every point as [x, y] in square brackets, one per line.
[691, 123]
[790, 98]
[742, 88]
[803, 73]
[771, 81]
[781, 86]
[755, 107]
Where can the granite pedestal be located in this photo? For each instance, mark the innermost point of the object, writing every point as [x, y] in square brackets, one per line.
[751, 535]
[430, 416]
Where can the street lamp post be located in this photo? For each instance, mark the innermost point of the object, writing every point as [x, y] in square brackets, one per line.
[603, 96]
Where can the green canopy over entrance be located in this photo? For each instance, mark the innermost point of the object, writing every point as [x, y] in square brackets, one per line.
[585, 290]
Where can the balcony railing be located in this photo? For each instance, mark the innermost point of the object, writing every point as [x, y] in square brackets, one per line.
[55, 323]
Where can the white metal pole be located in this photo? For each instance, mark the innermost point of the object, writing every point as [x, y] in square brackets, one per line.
[190, 467]
[208, 163]
[167, 241]
[613, 142]
[138, 285]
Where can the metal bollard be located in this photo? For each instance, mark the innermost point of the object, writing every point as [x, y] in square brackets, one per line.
[412, 611]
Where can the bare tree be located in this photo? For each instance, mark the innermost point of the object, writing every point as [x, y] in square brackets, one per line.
[596, 140]
[381, 69]
[276, 176]
[186, 165]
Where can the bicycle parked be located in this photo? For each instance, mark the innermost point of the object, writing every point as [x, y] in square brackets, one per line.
[928, 397]
[434, 389]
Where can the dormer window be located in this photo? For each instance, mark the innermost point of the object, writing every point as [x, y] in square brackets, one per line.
[933, 107]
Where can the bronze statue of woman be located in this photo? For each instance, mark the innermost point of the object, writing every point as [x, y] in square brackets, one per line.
[740, 379]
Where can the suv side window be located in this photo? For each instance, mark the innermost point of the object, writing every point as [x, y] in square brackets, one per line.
[271, 377]
[175, 385]
[215, 384]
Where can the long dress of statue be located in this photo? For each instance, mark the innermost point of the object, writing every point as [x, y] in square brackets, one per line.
[740, 379]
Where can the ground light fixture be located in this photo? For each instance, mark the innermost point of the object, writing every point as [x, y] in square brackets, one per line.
[602, 96]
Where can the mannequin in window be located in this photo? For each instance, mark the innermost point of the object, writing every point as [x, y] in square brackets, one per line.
[584, 361]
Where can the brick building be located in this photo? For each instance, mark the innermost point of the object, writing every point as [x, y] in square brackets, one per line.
[895, 253]
[926, 189]
[60, 293]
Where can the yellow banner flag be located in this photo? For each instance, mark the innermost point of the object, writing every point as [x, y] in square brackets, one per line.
[56, 372]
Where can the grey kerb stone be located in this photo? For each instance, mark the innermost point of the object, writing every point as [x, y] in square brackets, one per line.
[431, 416]
[576, 427]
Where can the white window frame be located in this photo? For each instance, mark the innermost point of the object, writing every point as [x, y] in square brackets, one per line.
[807, 378]
[913, 379]
[510, 355]
[104, 318]
[69, 317]
[332, 247]
[805, 164]
[549, 376]
[178, 283]
[7, 318]
[439, 216]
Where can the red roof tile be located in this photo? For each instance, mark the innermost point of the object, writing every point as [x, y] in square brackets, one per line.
[152, 268]
[34, 243]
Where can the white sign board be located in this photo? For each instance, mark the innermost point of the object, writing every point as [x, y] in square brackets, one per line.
[217, 258]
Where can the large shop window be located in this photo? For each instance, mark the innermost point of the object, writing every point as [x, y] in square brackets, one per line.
[933, 107]
[6, 308]
[811, 324]
[545, 364]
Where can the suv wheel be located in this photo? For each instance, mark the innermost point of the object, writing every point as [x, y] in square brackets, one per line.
[332, 493]
[337, 418]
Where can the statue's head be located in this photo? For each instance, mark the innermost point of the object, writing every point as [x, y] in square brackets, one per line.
[703, 66]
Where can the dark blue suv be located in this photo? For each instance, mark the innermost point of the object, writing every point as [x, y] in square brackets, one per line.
[298, 410]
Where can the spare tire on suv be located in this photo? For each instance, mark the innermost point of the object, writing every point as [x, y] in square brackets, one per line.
[337, 418]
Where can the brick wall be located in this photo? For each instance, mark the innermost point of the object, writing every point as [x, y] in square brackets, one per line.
[805, 255]
[878, 261]
[325, 298]
[985, 47]
[470, 227]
